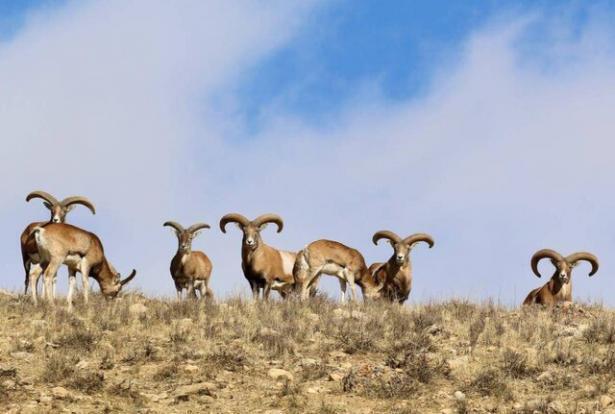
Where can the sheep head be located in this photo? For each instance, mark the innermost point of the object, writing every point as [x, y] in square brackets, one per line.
[185, 236]
[563, 265]
[251, 229]
[59, 209]
[402, 247]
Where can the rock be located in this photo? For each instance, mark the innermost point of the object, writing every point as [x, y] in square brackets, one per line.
[45, 398]
[336, 376]
[202, 388]
[545, 377]
[555, 407]
[280, 374]
[60, 393]
[308, 362]
[605, 401]
[459, 396]
[82, 365]
[8, 384]
[137, 309]
[447, 411]
[21, 355]
[190, 369]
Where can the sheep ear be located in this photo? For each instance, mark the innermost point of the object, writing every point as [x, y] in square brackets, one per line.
[70, 207]
[262, 226]
[46, 204]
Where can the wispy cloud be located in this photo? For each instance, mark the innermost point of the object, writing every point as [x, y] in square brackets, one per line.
[503, 156]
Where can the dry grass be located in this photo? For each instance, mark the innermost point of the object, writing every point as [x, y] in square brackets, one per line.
[376, 357]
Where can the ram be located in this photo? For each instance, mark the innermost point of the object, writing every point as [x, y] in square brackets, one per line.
[397, 271]
[335, 259]
[29, 252]
[559, 288]
[81, 251]
[263, 266]
[190, 269]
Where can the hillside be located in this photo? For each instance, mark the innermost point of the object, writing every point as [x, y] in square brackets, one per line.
[144, 355]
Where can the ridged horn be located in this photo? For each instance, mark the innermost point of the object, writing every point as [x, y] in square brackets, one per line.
[44, 195]
[419, 237]
[233, 218]
[197, 226]
[385, 234]
[178, 227]
[541, 254]
[269, 218]
[129, 278]
[588, 257]
[79, 200]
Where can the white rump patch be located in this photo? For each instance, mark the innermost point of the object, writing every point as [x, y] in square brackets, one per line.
[288, 262]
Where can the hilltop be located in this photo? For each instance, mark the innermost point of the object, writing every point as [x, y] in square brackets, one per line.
[137, 354]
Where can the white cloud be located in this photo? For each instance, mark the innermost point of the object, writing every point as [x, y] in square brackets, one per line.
[501, 158]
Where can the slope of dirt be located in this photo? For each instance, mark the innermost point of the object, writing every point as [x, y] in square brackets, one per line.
[144, 355]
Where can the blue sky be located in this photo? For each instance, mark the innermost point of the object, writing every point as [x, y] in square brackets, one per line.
[485, 123]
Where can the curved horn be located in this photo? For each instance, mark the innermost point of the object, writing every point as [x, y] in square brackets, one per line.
[44, 195]
[233, 218]
[197, 226]
[129, 278]
[541, 254]
[178, 227]
[419, 237]
[269, 218]
[79, 200]
[385, 234]
[588, 257]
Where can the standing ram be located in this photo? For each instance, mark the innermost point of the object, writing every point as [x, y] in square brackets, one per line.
[397, 271]
[263, 266]
[190, 270]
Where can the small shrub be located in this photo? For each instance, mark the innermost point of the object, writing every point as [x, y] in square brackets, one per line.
[514, 364]
[490, 382]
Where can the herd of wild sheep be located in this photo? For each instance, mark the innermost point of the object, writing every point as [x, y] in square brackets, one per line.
[47, 245]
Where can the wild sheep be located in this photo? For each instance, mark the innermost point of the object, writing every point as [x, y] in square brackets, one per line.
[397, 271]
[29, 251]
[263, 266]
[559, 288]
[336, 259]
[81, 251]
[190, 269]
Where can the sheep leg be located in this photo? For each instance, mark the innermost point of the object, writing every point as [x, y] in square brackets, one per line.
[191, 294]
[35, 273]
[349, 276]
[49, 275]
[343, 290]
[266, 291]
[72, 279]
[85, 279]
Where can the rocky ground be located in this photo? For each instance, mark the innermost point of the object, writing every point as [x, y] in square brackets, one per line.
[144, 355]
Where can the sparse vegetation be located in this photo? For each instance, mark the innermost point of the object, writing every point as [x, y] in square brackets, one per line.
[163, 356]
